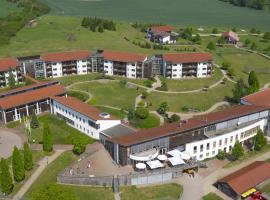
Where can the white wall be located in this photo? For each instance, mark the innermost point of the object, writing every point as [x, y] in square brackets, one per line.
[176, 71]
[131, 70]
[213, 151]
[57, 70]
[108, 67]
[81, 121]
[81, 66]
[202, 70]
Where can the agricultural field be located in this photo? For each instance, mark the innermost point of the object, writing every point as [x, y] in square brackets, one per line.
[7, 7]
[186, 12]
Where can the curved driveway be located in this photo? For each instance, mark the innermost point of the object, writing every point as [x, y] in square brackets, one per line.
[8, 140]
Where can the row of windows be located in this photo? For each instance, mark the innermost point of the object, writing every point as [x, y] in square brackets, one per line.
[225, 141]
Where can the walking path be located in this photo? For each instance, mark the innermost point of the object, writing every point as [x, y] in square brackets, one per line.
[161, 118]
[42, 165]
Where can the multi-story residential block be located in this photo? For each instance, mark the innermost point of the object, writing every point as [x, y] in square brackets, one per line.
[181, 65]
[7, 64]
[130, 65]
[200, 137]
[23, 101]
[82, 116]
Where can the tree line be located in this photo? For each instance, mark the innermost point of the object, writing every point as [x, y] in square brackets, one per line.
[256, 4]
[97, 24]
[15, 21]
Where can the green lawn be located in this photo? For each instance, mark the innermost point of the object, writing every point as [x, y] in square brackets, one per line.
[266, 187]
[150, 122]
[7, 7]
[243, 62]
[50, 173]
[68, 80]
[31, 41]
[116, 94]
[200, 101]
[212, 196]
[117, 113]
[194, 83]
[62, 133]
[166, 191]
[175, 12]
[79, 95]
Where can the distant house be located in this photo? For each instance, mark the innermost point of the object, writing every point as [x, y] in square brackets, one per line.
[231, 37]
[161, 34]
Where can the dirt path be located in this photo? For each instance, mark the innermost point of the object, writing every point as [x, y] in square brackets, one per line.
[42, 165]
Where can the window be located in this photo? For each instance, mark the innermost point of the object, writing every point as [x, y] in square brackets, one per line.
[213, 152]
[93, 124]
[214, 144]
[195, 149]
[201, 148]
[226, 140]
[220, 142]
[207, 146]
[231, 139]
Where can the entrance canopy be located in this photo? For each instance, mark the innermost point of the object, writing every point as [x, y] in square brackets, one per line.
[145, 155]
[154, 164]
[176, 161]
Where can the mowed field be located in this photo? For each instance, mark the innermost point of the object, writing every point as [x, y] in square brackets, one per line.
[7, 7]
[182, 12]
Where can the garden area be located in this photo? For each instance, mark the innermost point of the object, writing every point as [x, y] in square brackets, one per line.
[45, 185]
[166, 191]
[212, 196]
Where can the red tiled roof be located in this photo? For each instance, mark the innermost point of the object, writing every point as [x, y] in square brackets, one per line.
[123, 56]
[28, 87]
[187, 57]
[261, 98]
[31, 96]
[248, 177]
[158, 29]
[194, 123]
[81, 107]
[65, 56]
[7, 63]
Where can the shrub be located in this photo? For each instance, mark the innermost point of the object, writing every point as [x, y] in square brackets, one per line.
[141, 103]
[237, 150]
[47, 138]
[34, 120]
[5, 178]
[220, 155]
[79, 147]
[17, 165]
[144, 94]
[266, 36]
[259, 141]
[215, 31]
[28, 158]
[211, 46]
[173, 118]
[142, 113]
[163, 108]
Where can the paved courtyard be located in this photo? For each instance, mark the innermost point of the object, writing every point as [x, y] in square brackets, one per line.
[8, 140]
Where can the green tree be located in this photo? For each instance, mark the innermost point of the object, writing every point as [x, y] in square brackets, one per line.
[211, 46]
[237, 150]
[17, 165]
[55, 192]
[259, 141]
[163, 108]
[234, 29]
[174, 118]
[142, 113]
[215, 31]
[220, 155]
[247, 41]
[11, 79]
[266, 36]
[47, 138]
[254, 46]
[130, 114]
[79, 147]
[221, 40]
[5, 178]
[239, 91]
[34, 123]
[28, 157]
[253, 82]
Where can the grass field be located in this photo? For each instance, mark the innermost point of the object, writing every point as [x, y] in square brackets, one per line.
[117, 113]
[200, 13]
[49, 177]
[150, 122]
[30, 41]
[167, 191]
[116, 94]
[195, 83]
[199, 101]
[62, 133]
[7, 7]
[211, 196]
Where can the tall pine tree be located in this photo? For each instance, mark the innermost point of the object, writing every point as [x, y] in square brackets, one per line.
[253, 82]
[28, 158]
[5, 178]
[47, 138]
[34, 121]
[17, 165]
[237, 150]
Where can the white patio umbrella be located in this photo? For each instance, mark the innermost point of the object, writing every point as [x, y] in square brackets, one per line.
[162, 157]
[140, 166]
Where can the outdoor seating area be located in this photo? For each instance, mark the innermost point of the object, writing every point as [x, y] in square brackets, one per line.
[174, 158]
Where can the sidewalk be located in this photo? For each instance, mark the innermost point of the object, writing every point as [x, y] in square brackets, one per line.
[42, 165]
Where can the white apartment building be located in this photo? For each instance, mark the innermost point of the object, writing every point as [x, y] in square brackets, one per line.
[82, 116]
[181, 65]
